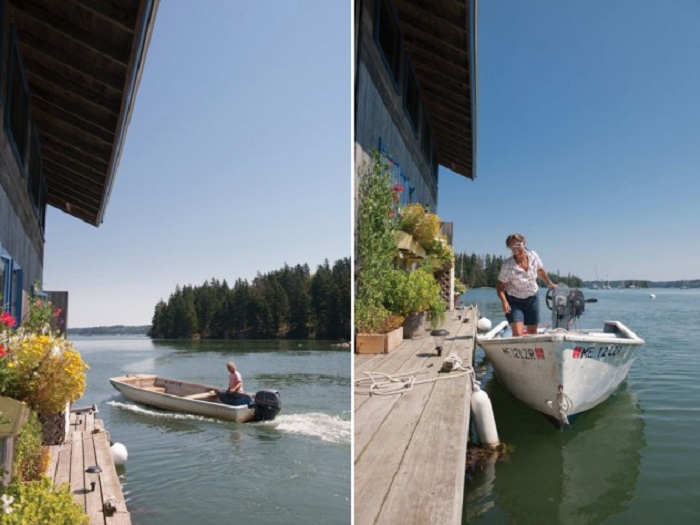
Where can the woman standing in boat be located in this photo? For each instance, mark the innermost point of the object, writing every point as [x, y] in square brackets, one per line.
[517, 286]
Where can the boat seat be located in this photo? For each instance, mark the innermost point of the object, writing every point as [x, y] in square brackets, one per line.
[200, 395]
[155, 388]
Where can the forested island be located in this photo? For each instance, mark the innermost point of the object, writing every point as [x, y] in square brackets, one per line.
[477, 271]
[290, 303]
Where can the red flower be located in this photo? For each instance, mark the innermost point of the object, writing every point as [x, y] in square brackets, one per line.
[7, 319]
[57, 312]
[398, 188]
[3, 352]
[391, 213]
[389, 163]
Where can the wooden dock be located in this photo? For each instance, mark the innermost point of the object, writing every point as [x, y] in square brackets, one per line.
[410, 447]
[88, 445]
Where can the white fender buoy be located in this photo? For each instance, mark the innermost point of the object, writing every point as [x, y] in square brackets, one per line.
[119, 453]
[483, 324]
[652, 295]
[484, 420]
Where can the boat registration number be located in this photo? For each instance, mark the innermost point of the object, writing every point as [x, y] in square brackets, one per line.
[596, 352]
[524, 353]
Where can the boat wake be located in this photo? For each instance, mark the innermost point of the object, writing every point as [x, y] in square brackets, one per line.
[332, 429]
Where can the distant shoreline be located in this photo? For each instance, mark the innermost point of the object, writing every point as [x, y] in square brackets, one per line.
[110, 330]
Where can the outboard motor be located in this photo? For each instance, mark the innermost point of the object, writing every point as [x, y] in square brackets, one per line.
[566, 304]
[267, 405]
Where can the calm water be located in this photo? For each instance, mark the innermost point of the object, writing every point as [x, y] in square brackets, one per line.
[185, 469]
[634, 459]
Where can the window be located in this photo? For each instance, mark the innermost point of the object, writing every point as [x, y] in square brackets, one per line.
[427, 139]
[16, 290]
[17, 111]
[389, 38]
[3, 7]
[5, 284]
[37, 184]
[411, 97]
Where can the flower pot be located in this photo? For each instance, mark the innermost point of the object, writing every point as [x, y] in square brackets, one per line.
[378, 343]
[414, 325]
[55, 427]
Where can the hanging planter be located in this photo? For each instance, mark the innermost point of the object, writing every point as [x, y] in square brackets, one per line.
[54, 427]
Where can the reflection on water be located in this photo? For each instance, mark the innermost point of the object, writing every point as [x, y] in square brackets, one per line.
[638, 453]
[247, 345]
[582, 475]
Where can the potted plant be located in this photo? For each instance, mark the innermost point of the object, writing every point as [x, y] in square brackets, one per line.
[414, 294]
[40, 367]
[377, 328]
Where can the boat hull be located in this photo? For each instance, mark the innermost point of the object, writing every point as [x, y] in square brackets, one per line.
[179, 396]
[560, 372]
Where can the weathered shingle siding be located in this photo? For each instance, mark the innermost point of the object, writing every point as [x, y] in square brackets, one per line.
[381, 114]
[377, 121]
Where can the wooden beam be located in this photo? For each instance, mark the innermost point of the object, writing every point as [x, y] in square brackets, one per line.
[50, 18]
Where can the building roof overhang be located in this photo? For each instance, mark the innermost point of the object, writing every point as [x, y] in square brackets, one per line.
[83, 62]
[440, 36]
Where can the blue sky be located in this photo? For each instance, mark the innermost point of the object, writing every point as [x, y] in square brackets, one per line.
[237, 160]
[588, 137]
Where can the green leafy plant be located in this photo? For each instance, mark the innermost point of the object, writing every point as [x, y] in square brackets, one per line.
[376, 319]
[39, 502]
[412, 291]
[459, 287]
[41, 313]
[375, 245]
[31, 459]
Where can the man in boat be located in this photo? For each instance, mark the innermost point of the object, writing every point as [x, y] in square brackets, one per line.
[517, 286]
[234, 394]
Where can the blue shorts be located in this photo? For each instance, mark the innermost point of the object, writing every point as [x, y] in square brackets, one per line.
[526, 311]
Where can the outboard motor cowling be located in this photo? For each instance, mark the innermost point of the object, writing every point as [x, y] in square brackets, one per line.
[566, 305]
[267, 405]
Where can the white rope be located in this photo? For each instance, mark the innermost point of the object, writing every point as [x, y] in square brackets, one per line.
[387, 384]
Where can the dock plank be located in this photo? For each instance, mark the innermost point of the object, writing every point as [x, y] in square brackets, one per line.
[77, 469]
[93, 498]
[88, 444]
[410, 448]
[110, 485]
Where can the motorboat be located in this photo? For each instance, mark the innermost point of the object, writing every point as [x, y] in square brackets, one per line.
[194, 398]
[562, 370]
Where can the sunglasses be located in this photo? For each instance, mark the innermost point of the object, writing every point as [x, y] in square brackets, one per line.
[516, 245]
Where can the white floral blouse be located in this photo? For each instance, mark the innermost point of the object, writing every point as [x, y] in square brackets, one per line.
[520, 283]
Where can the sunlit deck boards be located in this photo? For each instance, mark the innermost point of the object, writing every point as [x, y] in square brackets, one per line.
[410, 448]
[88, 445]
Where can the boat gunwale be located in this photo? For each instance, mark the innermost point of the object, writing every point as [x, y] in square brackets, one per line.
[230, 408]
[623, 335]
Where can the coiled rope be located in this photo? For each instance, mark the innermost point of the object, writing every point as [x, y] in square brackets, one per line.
[380, 383]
